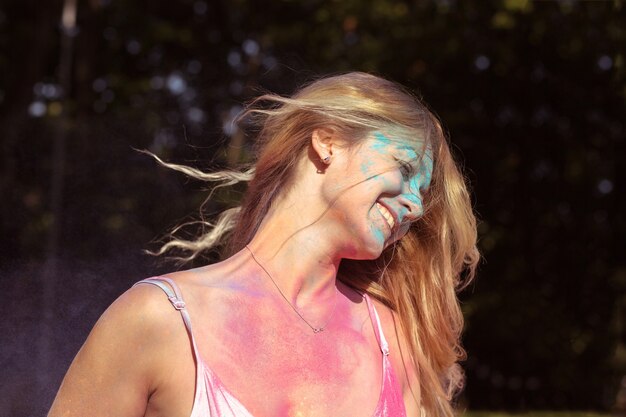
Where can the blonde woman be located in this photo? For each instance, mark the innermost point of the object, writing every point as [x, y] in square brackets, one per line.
[338, 296]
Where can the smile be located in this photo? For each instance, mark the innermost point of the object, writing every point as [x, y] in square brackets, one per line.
[391, 222]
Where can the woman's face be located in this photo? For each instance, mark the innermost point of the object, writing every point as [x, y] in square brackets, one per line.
[376, 191]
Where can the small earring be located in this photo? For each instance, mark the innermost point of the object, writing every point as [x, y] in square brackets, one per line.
[326, 159]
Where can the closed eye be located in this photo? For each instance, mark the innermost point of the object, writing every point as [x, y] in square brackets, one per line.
[406, 169]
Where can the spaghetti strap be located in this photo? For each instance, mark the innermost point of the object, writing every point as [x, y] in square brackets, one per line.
[172, 291]
[391, 401]
[378, 328]
[175, 297]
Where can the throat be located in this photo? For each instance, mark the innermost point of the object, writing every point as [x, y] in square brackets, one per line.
[302, 274]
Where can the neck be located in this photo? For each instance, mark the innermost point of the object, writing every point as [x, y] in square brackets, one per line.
[298, 259]
[295, 243]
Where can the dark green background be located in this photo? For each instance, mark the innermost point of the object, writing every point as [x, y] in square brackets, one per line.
[531, 92]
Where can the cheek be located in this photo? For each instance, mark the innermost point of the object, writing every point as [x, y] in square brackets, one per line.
[366, 167]
[378, 234]
[388, 182]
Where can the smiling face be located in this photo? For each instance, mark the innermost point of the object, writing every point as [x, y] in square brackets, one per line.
[378, 191]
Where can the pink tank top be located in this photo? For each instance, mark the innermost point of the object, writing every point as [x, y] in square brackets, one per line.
[212, 399]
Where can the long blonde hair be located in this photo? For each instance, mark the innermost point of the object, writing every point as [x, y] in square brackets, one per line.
[418, 277]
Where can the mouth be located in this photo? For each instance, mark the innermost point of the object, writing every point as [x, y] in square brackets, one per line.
[387, 215]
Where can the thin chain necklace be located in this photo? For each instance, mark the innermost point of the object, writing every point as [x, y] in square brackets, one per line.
[315, 329]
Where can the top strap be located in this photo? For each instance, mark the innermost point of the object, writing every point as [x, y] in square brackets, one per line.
[173, 293]
[378, 328]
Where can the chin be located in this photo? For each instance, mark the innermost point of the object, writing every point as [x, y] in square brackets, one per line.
[366, 251]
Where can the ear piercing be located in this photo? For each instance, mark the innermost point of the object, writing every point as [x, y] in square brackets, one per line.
[326, 161]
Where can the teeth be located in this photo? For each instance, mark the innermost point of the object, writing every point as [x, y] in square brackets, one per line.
[386, 214]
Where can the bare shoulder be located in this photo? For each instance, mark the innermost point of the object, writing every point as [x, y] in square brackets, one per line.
[119, 366]
[141, 314]
[143, 308]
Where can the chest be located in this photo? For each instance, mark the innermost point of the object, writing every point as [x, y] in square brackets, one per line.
[276, 366]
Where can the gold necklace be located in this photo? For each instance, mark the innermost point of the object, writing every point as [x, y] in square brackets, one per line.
[315, 329]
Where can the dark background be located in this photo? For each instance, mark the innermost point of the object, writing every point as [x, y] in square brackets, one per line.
[531, 92]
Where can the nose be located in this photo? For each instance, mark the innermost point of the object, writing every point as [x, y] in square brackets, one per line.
[412, 203]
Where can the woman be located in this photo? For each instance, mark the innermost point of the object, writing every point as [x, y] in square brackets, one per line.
[339, 294]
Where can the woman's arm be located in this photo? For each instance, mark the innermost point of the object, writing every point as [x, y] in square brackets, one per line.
[113, 374]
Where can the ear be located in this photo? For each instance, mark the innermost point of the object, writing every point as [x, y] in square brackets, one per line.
[323, 140]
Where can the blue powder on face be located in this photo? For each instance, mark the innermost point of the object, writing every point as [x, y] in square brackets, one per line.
[379, 235]
[422, 178]
[382, 144]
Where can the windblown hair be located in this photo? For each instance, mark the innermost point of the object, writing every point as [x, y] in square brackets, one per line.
[419, 276]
